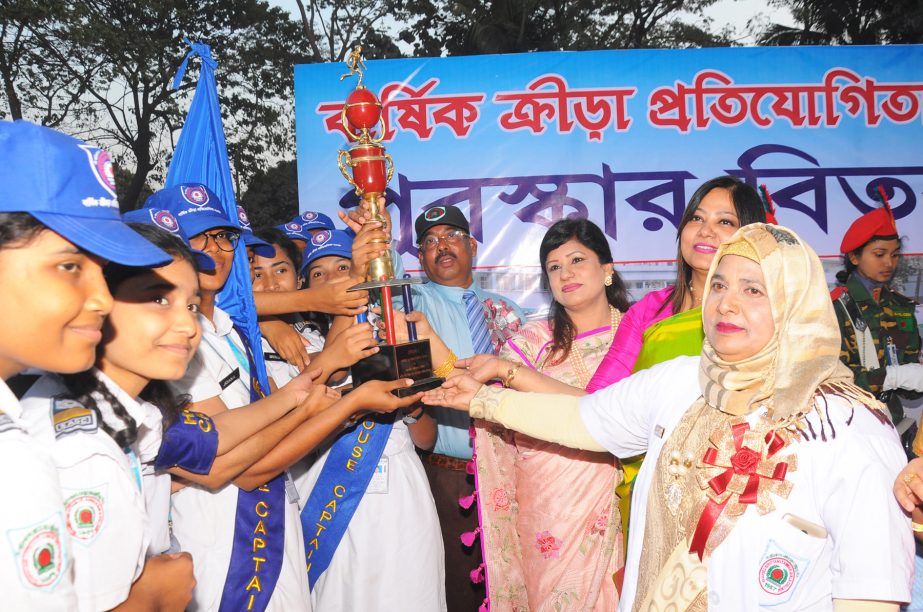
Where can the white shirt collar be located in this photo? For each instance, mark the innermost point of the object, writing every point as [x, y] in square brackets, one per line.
[145, 414]
[219, 325]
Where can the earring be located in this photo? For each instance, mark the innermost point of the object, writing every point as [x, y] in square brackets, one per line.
[608, 281]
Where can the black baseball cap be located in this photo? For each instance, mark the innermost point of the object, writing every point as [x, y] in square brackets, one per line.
[440, 215]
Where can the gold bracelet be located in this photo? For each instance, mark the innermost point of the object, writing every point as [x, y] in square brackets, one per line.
[511, 374]
[917, 527]
[447, 366]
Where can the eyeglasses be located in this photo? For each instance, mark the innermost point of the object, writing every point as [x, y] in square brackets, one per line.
[454, 237]
[225, 240]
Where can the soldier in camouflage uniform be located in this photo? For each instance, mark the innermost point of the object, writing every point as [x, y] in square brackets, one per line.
[881, 341]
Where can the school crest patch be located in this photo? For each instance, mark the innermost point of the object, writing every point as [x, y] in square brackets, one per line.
[85, 513]
[779, 574]
[39, 552]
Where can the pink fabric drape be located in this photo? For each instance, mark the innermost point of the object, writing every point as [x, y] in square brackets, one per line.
[549, 514]
[620, 360]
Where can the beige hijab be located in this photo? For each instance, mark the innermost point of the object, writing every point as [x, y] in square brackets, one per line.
[804, 352]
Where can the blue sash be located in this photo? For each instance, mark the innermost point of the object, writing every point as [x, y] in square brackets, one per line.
[191, 443]
[343, 480]
[259, 535]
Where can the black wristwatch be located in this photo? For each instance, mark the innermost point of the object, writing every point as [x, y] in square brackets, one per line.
[410, 420]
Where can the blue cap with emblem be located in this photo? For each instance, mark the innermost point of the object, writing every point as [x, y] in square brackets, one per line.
[260, 247]
[295, 230]
[311, 220]
[165, 220]
[326, 243]
[193, 205]
[69, 186]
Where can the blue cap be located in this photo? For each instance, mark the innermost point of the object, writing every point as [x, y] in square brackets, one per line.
[295, 230]
[311, 219]
[165, 220]
[194, 205]
[260, 247]
[326, 243]
[69, 187]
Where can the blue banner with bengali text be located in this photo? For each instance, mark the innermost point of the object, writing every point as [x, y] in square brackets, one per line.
[624, 138]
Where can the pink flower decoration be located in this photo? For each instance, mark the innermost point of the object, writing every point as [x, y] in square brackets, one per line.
[500, 498]
[547, 544]
[602, 522]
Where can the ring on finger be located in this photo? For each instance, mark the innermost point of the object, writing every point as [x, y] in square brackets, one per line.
[909, 477]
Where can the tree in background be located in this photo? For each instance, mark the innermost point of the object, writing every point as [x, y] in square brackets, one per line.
[102, 71]
[471, 27]
[846, 22]
[272, 195]
[334, 27]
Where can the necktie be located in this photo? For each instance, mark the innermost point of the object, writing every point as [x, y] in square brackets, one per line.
[477, 324]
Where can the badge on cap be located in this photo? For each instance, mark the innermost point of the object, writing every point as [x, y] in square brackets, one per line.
[101, 164]
[164, 219]
[321, 237]
[242, 217]
[435, 213]
[196, 195]
[309, 215]
[293, 227]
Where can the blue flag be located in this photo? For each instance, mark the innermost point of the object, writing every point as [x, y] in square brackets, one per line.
[201, 156]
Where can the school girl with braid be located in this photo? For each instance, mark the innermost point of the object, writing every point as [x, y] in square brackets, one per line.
[59, 225]
[246, 536]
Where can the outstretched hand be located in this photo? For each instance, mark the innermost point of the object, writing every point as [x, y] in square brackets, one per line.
[908, 486]
[456, 392]
[375, 395]
[482, 368]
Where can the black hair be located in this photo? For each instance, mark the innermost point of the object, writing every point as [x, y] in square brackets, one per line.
[275, 236]
[849, 267]
[18, 228]
[85, 387]
[749, 208]
[589, 235]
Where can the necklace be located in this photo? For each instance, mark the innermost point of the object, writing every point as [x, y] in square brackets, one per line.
[576, 359]
[695, 300]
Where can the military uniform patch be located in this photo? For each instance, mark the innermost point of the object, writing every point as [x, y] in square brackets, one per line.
[71, 416]
[39, 552]
[85, 513]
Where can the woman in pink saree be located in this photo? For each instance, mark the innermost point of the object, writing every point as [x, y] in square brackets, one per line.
[550, 527]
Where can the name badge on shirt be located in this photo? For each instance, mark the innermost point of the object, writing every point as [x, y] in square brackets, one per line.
[272, 357]
[379, 482]
[230, 378]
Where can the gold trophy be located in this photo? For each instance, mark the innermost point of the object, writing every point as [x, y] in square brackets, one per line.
[368, 168]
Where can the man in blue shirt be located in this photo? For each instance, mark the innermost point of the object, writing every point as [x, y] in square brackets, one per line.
[453, 303]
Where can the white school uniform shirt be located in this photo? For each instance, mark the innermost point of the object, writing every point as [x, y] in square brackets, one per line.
[104, 502]
[36, 566]
[843, 485]
[204, 520]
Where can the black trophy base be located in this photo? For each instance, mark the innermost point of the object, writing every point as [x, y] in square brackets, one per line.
[395, 361]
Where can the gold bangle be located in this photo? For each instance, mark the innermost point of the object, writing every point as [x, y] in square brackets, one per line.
[917, 527]
[511, 374]
[447, 366]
